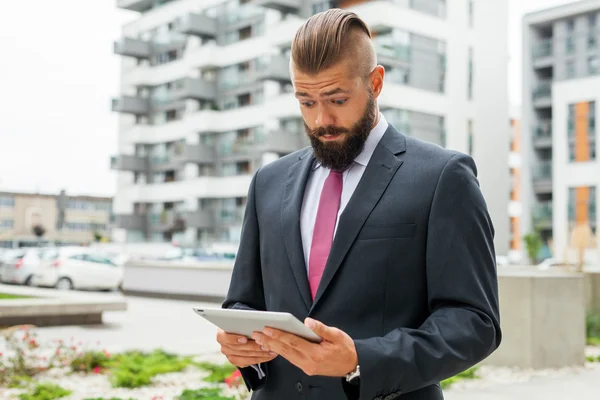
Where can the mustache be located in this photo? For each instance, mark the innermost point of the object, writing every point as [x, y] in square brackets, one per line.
[328, 130]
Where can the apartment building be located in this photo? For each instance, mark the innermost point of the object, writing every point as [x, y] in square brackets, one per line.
[561, 98]
[66, 219]
[206, 99]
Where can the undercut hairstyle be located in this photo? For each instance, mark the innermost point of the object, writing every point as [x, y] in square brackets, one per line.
[331, 37]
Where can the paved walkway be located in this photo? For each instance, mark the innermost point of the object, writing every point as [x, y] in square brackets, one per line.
[577, 386]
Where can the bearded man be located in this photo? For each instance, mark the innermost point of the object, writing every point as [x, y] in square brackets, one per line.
[379, 242]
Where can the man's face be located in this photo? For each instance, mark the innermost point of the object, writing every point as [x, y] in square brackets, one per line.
[339, 112]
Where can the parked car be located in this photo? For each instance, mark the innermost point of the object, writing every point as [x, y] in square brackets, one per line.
[19, 265]
[68, 268]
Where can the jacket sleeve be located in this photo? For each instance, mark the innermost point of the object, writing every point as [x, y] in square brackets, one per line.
[463, 327]
[246, 288]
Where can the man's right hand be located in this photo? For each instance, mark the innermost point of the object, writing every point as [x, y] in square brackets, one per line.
[241, 351]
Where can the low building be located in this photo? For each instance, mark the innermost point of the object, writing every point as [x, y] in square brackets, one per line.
[65, 219]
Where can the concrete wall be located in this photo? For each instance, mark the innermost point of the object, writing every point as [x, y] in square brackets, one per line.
[543, 320]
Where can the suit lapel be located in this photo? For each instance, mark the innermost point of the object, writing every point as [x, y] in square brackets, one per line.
[379, 172]
[293, 195]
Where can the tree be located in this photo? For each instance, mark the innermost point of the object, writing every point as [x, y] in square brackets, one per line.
[533, 243]
[39, 231]
[97, 236]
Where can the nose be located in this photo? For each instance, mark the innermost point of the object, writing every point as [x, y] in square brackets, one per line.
[324, 118]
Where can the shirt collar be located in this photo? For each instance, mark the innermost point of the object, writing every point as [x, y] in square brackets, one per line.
[370, 144]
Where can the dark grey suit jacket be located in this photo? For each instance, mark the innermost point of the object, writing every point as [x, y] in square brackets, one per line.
[411, 276]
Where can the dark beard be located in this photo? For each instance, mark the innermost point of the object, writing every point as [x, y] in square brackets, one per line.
[339, 156]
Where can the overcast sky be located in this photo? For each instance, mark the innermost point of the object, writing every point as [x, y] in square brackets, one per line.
[57, 76]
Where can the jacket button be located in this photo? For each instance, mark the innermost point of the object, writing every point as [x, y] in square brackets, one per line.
[299, 387]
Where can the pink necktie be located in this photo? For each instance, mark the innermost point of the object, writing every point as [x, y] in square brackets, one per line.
[322, 239]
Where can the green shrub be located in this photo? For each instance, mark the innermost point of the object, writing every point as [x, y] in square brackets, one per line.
[218, 373]
[91, 361]
[593, 326]
[203, 394]
[468, 374]
[45, 391]
[135, 369]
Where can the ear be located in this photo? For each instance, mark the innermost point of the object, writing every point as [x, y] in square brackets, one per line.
[376, 80]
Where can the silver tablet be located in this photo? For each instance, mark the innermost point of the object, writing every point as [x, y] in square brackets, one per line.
[246, 322]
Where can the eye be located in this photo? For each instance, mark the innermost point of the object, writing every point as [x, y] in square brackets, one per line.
[339, 102]
[307, 103]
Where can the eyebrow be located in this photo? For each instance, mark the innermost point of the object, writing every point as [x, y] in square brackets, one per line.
[324, 94]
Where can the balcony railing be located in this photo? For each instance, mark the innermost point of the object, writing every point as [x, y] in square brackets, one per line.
[542, 48]
[542, 89]
[388, 51]
[542, 170]
[542, 214]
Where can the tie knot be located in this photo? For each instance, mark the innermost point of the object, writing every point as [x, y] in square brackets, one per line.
[337, 171]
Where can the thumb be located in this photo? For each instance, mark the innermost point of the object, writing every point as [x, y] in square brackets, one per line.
[324, 331]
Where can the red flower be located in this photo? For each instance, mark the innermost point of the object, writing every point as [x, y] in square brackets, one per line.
[234, 379]
[97, 370]
[106, 353]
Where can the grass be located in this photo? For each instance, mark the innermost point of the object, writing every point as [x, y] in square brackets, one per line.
[135, 369]
[218, 373]
[45, 391]
[592, 325]
[7, 296]
[468, 374]
[203, 394]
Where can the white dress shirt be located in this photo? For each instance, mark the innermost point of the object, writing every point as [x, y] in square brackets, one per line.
[351, 177]
[315, 183]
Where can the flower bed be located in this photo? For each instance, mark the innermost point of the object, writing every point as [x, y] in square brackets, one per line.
[31, 370]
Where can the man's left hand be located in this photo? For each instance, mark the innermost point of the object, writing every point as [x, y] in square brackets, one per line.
[335, 356]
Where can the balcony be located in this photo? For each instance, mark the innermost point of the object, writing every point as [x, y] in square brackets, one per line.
[194, 153]
[187, 88]
[542, 177]
[277, 69]
[542, 94]
[230, 217]
[542, 53]
[197, 25]
[542, 215]
[200, 219]
[132, 222]
[283, 142]
[130, 47]
[284, 6]
[125, 162]
[131, 105]
[542, 135]
[168, 221]
[390, 53]
[135, 5]
[243, 16]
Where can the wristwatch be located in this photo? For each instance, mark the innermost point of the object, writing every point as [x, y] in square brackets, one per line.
[354, 376]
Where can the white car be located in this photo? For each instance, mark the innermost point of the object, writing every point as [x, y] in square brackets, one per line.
[19, 265]
[69, 268]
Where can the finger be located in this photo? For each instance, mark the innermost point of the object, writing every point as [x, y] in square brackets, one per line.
[283, 349]
[291, 340]
[230, 338]
[326, 332]
[236, 351]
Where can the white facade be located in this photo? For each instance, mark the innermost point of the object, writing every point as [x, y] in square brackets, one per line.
[561, 48]
[568, 174]
[487, 109]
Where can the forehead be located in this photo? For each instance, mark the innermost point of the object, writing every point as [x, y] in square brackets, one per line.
[339, 75]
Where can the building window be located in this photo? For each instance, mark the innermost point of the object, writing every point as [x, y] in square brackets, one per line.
[6, 224]
[570, 40]
[321, 6]
[470, 135]
[571, 121]
[592, 118]
[570, 69]
[7, 202]
[471, 17]
[592, 33]
[593, 65]
[582, 206]
[470, 81]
